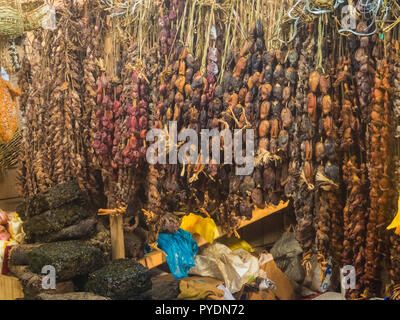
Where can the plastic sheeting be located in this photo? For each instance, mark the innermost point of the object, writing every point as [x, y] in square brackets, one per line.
[235, 268]
[204, 227]
[180, 249]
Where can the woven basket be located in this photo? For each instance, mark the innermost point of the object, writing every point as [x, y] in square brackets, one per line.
[11, 18]
[33, 19]
[29, 5]
[322, 4]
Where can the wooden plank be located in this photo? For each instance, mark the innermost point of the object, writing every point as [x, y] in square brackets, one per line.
[10, 288]
[116, 221]
[158, 257]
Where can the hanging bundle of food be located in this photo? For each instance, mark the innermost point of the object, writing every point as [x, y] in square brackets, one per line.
[56, 122]
[379, 167]
[306, 109]
[395, 236]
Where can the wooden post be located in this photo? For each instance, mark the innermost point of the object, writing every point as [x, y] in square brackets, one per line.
[116, 221]
[117, 237]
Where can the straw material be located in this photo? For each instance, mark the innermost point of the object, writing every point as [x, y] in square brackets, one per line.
[11, 18]
[17, 16]
[30, 5]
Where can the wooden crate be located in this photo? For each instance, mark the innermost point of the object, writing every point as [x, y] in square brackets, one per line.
[10, 288]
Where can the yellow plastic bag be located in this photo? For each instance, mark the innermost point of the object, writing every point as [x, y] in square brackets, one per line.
[15, 228]
[205, 227]
[8, 110]
[234, 243]
[396, 222]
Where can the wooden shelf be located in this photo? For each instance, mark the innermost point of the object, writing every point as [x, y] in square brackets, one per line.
[158, 257]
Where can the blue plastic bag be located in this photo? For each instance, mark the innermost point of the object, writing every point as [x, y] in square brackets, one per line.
[180, 249]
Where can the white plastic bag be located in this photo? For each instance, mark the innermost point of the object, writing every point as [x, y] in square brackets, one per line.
[313, 280]
[49, 21]
[235, 268]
